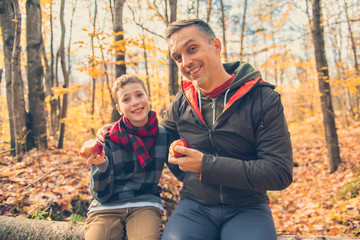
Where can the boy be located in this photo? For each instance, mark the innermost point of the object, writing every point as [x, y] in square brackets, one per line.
[124, 178]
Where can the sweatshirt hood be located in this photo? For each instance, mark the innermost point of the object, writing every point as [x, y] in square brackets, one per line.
[243, 71]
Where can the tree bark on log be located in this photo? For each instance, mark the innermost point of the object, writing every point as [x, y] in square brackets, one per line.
[22, 228]
[30, 229]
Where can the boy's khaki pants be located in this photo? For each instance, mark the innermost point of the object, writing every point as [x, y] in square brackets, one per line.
[141, 223]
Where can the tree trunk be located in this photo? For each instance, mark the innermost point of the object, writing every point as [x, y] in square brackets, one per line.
[22, 228]
[120, 67]
[146, 66]
[7, 30]
[70, 37]
[107, 78]
[18, 102]
[243, 29]
[50, 81]
[356, 65]
[92, 63]
[324, 87]
[223, 29]
[64, 106]
[208, 12]
[35, 74]
[173, 69]
[353, 44]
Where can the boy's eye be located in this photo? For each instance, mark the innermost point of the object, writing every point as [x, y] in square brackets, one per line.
[125, 99]
[140, 95]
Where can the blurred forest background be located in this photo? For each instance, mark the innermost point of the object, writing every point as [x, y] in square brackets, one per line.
[59, 59]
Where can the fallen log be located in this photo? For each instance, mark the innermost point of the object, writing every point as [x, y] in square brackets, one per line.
[21, 228]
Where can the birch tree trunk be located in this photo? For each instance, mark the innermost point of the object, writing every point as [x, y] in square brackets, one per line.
[35, 74]
[324, 87]
[18, 102]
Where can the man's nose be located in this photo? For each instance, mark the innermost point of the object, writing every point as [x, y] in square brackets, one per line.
[186, 62]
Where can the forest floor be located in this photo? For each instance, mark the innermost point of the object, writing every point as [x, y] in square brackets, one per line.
[53, 184]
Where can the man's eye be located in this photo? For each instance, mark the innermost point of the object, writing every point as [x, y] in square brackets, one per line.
[192, 49]
[177, 58]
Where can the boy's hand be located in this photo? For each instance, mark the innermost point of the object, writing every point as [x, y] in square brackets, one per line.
[191, 162]
[99, 159]
[100, 135]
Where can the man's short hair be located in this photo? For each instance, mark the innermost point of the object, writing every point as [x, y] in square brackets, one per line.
[200, 24]
[123, 80]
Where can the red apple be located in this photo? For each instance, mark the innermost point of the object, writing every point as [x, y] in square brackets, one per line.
[91, 147]
[180, 142]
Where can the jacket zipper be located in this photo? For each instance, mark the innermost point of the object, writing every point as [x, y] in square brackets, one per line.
[212, 143]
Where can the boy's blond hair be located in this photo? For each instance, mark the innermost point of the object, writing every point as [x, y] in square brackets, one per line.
[123, 80]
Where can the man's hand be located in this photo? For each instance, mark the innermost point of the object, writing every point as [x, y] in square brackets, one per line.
[99, 159]
[191, 162]
[100, 135]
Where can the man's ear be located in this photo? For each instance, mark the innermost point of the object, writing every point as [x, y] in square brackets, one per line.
[216, 43]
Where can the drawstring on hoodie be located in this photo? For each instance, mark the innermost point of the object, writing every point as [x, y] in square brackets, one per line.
[225, 98]
[226, 93]
[199, 97]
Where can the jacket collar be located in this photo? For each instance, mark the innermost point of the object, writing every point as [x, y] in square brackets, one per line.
[192, 94]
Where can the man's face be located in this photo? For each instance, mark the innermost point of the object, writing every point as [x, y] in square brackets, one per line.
[197, 56]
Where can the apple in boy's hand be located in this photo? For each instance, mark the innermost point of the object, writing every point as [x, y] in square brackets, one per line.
[91, 147]
[180, 142]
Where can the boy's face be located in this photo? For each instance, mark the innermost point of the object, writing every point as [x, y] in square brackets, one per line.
[134, 104]
[196, 56]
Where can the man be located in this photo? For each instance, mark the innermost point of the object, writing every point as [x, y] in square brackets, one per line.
[239, 142]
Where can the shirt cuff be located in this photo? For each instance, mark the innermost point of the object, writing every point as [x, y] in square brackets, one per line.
[102, 167]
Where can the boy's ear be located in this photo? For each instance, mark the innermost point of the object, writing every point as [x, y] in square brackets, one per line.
[119, 110]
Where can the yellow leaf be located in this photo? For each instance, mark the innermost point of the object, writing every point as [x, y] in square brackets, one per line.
[342, 207]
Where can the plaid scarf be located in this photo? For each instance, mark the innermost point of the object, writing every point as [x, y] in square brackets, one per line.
[141, 139]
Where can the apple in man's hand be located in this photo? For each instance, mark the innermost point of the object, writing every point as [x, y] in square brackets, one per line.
[180, 142]
[91, 147]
